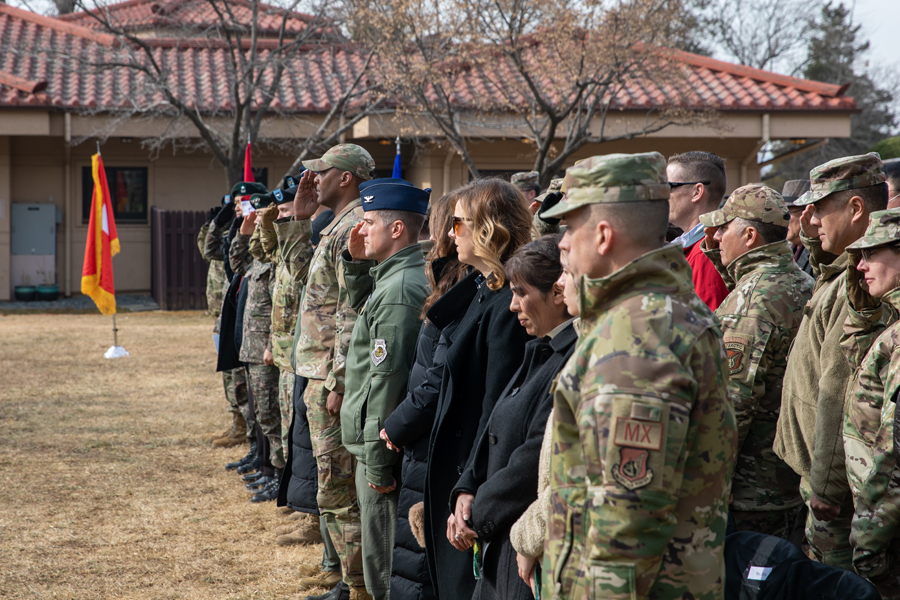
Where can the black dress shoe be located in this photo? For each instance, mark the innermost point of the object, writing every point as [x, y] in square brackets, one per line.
[267, 494]
[259, 484]
[249, 467]
[339, 592]
[243, 461]
[250, 477]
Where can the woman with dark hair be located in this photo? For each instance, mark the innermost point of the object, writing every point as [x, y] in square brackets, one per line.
[490, 222]
[501, 480]
[409, 426]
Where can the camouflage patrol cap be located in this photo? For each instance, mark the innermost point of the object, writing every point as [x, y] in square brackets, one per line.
[847, 173]
[613, 178]
[555, 186]
[527, 179]
[754, 202]
[346, 157]
[884, 228]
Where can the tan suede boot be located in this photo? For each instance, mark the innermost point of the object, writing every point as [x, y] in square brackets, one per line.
[299, 516]
[285, 510]
[285, 529]
[236, 436]
[301, 535]
[359, 593]
[323, 579]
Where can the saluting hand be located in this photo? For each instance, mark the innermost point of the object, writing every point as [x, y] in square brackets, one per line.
[249, 223]
[357, 245]
[711, 242]
[306, 200]
[806, 226]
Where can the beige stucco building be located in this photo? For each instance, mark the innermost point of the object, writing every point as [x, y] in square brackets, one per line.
[39, 163]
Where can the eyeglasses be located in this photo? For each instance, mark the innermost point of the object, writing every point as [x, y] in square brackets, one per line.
[457, 221]
[868, 253]
[678, 184]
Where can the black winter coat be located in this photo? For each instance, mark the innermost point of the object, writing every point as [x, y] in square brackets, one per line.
[483, 354]
[300, 478]
[229, 350]
[503, 471]
[409, 427]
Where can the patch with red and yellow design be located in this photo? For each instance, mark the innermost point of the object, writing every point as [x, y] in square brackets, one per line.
[736, 353]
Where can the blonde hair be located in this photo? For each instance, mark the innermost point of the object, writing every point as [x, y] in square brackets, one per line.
[501, 223]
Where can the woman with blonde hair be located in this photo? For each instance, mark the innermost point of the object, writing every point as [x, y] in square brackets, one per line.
[484, 350]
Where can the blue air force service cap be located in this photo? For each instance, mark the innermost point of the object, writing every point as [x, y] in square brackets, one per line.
[393, 194]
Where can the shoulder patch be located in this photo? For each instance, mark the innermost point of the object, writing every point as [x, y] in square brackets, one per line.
[639, 434]
[736, 351]
[380, 352]
[632, 471]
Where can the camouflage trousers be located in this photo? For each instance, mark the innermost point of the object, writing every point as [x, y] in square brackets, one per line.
[829, 541]
[264, 387]
[785, 523]
[337, 488]
[286, 405]
[888, 584]
[236, 391]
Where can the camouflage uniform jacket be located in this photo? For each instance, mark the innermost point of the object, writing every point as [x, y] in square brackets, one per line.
[644, 439]
[816, 379]
[760, 318]
[216, 285]
[285, 296]
[869, 438]
[258, 311]
[326, 317]
[212, 246]
[389, 298]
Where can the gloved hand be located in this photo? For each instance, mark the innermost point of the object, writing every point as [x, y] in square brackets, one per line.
[268, 215]
[857, 294]
[550, 200]
[223, 219]
[212, 213]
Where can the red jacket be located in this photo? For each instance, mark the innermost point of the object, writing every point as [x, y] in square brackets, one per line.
[707, 282]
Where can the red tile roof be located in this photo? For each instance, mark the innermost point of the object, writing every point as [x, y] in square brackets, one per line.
[34, 48]
[138, 16]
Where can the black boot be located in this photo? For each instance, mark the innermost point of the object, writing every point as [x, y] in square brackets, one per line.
[339, 592]
[270, 491]
[240, 463]
[259, 484]
[249, 467]
[251, 477]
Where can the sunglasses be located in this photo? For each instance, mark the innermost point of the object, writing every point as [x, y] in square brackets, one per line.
[457, 221]
[678, 184]
[868, 254]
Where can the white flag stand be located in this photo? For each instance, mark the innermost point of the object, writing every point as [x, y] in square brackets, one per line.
[115, 351]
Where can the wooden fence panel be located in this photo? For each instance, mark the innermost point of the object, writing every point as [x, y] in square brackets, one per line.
[178, 271]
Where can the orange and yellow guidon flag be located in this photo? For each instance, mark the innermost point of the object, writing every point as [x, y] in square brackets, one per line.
[102, 245]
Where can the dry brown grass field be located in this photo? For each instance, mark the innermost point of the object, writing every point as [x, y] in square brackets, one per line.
[107, 486]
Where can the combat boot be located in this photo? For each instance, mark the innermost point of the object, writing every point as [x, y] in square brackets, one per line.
[240, 463]
[250, 466]
[306, 532]
[296, 516]
[360, 593]
[270, 491]
[251, 477]
[340, 591]
[262, 482]
[309, 570]
[285, 529]
[236, 436]
[285, 510]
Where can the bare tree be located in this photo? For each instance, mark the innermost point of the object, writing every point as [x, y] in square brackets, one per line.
[256, 44]
[565, 69]
[766, 34]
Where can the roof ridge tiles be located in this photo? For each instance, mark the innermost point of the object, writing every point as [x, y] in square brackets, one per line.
[77, 30]
[21, 84]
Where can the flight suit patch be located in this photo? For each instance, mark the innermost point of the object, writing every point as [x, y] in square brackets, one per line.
[638, 434]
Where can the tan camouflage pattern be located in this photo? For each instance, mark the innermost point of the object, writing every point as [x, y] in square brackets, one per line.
[829, 541]
[872, 468]
[262, 380]
[846, 173]
[613, 178]
[525, 179]
[286, 406]
[759, 319]
[216, 283]
[346, 157]
[336, 497]
[258, 310]
[644, 438]
[754, 202]
[883, 228]
[326, 317]
[241, 398]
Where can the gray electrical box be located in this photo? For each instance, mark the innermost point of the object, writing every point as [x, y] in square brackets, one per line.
[33, 247]
[33, 229]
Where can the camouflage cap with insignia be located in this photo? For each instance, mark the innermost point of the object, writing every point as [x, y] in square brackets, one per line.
[527, 179]
[555, 186]
[883, 229]
[346, 157]
[613, 178]
[754, 202]
[846, 173]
